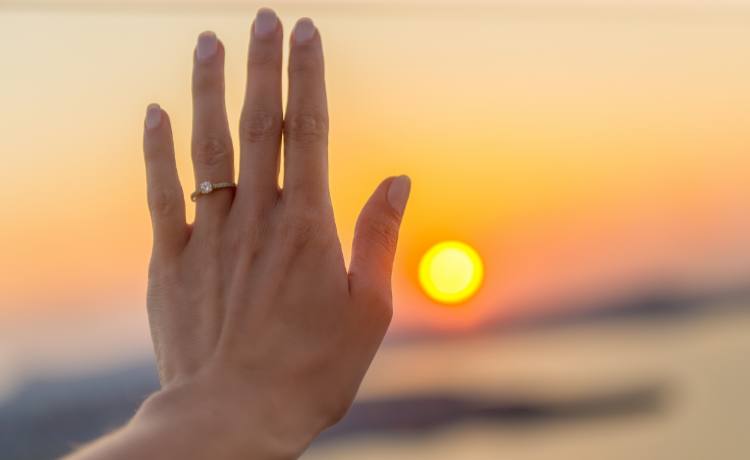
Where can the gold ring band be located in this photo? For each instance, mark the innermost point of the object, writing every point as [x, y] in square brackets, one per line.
[206, 187]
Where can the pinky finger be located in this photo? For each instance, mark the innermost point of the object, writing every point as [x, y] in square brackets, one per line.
[166, 201]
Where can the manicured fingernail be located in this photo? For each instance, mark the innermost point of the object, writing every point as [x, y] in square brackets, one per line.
[398, 193]
[153, 116]
[266, 23]
[207, 46]
[303, 31]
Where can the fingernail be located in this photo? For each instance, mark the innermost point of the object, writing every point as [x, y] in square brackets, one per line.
[207, 46]
[153, 116]
[266, 23]
[398, 193]
[303, 31]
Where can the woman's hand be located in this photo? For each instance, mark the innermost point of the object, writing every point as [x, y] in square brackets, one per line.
[257, 325]
[261, 335]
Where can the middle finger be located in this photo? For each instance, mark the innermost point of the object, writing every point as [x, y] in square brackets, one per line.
[260, 124]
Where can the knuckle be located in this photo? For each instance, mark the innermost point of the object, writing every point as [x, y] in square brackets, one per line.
[258, 126]
[211, 151]
[163, 201]
[377, 301]
[382, 232]
[307, 127]
[310, 192]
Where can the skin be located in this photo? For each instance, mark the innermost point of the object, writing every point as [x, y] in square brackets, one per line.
[262, 336]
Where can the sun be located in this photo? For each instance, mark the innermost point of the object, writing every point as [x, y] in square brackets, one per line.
[450, 272]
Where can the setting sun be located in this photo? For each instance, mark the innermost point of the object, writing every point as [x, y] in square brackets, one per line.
[451, 272]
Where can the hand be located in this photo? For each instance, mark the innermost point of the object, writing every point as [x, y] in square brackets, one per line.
[252, 311]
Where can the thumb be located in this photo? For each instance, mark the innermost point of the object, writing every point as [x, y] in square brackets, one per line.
[375, 238]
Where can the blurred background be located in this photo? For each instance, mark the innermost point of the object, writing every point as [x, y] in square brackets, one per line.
[596, 154]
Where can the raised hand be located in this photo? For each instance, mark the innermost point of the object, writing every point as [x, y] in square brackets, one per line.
[258, 328]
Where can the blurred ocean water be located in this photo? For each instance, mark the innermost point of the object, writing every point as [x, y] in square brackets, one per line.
[677, 390]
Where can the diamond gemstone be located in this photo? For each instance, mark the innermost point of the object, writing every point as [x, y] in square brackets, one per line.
[206, 187]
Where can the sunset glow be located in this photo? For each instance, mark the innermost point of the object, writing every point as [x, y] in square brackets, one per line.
[566, 144]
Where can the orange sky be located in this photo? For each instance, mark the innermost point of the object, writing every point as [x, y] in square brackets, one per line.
[576, 153]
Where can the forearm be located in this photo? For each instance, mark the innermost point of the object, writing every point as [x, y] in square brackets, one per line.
[160, 436]
[180, 423]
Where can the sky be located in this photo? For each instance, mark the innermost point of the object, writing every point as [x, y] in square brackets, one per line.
[581, 152]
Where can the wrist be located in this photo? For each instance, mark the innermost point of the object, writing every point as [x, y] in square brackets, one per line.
[242, 423]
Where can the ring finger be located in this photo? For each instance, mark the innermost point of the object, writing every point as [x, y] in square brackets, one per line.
[213, 157]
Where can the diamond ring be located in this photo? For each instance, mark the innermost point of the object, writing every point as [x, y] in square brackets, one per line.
[206, 187]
